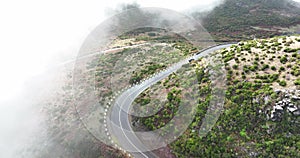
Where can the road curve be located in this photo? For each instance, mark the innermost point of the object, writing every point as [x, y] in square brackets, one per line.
[118, 117]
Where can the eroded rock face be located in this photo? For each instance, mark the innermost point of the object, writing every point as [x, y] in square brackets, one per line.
[289, 102]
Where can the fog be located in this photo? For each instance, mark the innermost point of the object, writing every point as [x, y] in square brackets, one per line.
[36, 37]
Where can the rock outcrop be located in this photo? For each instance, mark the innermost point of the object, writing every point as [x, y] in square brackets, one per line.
[289, 103]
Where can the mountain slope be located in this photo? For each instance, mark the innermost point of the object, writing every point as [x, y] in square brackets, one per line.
[260, 116]
[244, 19]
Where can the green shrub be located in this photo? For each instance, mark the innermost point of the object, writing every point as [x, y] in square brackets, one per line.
[282, 68]
[235, 66]
[295, 72]
[264, 67]
[151, 34]
[282, 83]
[290, 50]
[253, 68]
[283, 60]
[297, 82]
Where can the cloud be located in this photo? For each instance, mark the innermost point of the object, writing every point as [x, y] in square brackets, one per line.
[38, 36]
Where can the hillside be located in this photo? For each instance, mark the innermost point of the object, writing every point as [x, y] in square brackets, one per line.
[262, 106]
[245, 19]
[261, 111]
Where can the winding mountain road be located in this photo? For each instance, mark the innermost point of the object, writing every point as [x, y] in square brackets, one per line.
[118, 117]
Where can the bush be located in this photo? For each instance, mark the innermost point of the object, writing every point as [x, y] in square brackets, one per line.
[282, 83]
[290, 50]
[295, 72]
[283, 60]
[151, 34]
[243, 76]
[265, 66]
[297, 82]
[273, 77]
[235, 66]
[282, 68]
[253, 68]
[245, 69]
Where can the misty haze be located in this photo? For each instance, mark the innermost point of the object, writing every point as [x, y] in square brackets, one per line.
[219, 78]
